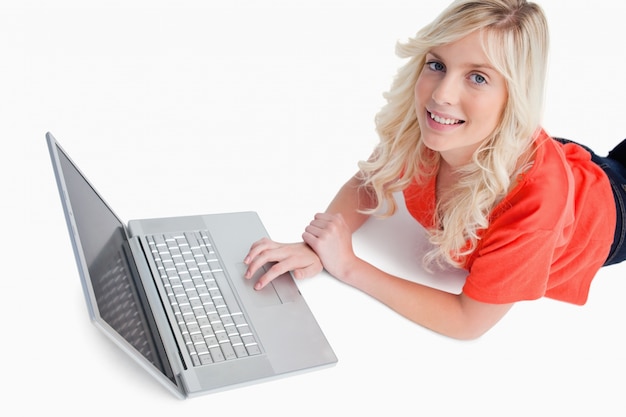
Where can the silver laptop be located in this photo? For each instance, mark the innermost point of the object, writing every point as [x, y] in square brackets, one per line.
[170, 292]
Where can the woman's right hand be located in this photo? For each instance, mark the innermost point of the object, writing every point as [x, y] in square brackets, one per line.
[298, 258]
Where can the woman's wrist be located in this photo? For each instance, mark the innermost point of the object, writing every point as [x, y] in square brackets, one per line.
[351, 271]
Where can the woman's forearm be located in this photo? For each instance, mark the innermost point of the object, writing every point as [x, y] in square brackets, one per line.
[453, 315]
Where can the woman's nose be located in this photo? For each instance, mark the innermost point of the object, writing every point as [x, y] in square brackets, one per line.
[446, 91]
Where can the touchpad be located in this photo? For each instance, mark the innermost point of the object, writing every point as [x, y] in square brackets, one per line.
[281, 290]
[285, 287]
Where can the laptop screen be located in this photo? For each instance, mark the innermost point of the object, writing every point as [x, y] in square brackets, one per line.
[119, 296]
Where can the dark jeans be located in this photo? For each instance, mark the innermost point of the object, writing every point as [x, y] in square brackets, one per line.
[614, 165]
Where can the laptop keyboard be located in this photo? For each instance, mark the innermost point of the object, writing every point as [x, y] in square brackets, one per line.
[212, 323]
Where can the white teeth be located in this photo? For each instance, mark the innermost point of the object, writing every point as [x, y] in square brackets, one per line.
[443, 121]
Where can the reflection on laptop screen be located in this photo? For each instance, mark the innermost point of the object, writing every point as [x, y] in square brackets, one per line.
[119, 296]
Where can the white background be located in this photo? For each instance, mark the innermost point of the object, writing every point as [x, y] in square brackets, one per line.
[267, 106]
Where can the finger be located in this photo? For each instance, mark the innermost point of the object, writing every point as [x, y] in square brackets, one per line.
[290, 263]
[272, 273]
[252, 269]
[256, 263]
[319, 230]
[313, 230]
[321, 220]
[310, 239]
[258, 247]
[272, 252]
[260, 253]
[326, 217]
[307, 272]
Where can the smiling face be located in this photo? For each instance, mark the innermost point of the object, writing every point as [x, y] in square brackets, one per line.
[459, 99]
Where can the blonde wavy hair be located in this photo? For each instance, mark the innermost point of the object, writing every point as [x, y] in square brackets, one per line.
[515, 39]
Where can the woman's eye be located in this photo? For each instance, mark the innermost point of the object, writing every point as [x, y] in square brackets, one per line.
[478, 79]
[436, 66]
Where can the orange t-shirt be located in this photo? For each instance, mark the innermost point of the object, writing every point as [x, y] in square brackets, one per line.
[548, 237]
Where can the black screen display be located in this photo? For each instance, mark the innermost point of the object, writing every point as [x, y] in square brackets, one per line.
[120, 298]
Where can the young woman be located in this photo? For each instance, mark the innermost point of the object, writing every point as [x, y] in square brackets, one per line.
[525, 214]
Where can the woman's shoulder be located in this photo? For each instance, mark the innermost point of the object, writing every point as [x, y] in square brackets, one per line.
[545, 191]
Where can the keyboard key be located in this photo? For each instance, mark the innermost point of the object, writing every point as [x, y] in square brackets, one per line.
[231, 330]
[211, 341]
[221, 336]
[205, 359]
[253, 349]
[216, 354]
[207, 331]
[195, 360]
[201, 348]
[248, 340]
[240, 351]
[229, 352]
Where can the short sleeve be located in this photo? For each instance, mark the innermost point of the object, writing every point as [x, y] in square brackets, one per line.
[511, 268]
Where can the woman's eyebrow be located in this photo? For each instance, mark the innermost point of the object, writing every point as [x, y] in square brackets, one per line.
[468, 65]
